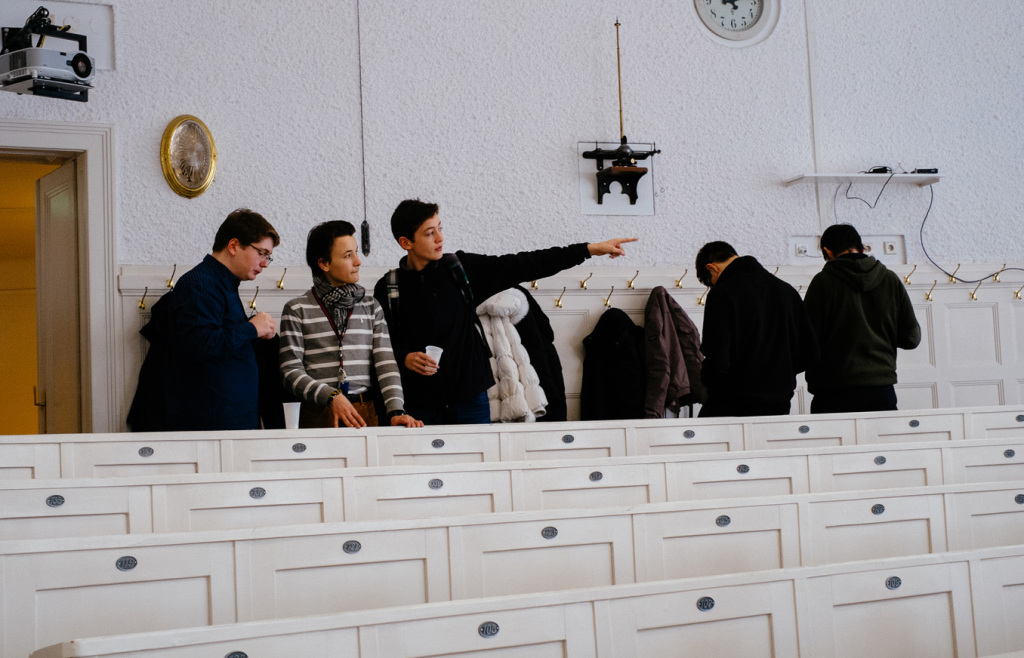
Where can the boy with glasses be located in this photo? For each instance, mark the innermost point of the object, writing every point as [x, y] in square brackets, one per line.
[213, 383]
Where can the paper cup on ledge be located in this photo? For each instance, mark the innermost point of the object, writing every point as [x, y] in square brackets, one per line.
[434, 352]
[291, 415]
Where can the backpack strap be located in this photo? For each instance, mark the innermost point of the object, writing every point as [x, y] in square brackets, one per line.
[461, 279]
[458, 273]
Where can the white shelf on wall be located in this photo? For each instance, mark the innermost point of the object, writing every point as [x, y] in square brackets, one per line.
[911, 179]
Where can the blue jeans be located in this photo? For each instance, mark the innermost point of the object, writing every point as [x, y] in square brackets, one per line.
[476, 411]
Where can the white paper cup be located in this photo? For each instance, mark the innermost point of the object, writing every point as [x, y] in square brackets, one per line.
[434, 352]
[291, 415]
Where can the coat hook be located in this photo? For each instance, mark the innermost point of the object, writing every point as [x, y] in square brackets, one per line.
[1017, 294]
[700, 300]
[629, 284]
[558, 302]
[952, 277]
[679, 281]
[142, 302]
[170, 281]
[974, 293]
[995, 277]
[776, 271]
[607, 300]
[533, 284]
[583, 283]
[928, 295]
[906, 279]
[800, 287]
[280, 282]
[252, 304]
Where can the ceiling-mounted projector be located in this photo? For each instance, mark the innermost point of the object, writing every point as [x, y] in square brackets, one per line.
[25, 69]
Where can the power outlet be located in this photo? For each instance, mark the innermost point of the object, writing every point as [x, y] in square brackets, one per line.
[803, 250]
[888, 249]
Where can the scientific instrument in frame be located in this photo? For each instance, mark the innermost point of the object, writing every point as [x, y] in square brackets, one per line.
[624, 169]
[28, 69]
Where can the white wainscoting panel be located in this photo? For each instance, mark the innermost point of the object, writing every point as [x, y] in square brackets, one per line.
[969, 354]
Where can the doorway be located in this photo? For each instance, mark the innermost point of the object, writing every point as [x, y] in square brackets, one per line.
[18, 349]
[100, 381]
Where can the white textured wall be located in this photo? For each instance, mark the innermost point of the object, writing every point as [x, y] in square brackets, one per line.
[478, 105]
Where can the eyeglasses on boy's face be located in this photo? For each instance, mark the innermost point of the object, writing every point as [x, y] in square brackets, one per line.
[263, 254]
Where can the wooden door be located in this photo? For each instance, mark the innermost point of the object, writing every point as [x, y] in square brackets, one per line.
[57, 302]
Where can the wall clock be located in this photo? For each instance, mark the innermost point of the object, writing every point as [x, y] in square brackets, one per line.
[188, 156]
[738, 22]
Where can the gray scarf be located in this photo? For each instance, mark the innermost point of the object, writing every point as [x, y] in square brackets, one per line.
[339, 301]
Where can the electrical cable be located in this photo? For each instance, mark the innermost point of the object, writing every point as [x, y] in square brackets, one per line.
[927, 212]
[364, 228]
[849, 185]
[866, 202]
[939, 267]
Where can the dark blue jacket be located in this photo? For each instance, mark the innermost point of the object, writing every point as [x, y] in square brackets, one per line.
[213, 382]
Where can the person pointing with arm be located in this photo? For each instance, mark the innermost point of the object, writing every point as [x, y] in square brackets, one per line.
[431, 298]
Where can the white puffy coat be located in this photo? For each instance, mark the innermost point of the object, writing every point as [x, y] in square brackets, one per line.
[516, 395]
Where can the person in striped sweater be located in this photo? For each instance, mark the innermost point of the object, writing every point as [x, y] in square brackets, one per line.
[335, 349]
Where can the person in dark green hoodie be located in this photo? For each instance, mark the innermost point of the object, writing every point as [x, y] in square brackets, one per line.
[861, 313]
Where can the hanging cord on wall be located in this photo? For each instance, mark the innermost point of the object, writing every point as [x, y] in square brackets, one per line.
[869, 204]
[937, 266]
[931, 189]
[364, 229]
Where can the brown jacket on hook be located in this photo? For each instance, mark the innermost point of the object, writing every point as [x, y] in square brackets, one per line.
[672, 355]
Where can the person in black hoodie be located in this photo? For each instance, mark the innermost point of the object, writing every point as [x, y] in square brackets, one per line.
[431, 298]
[756, 336]
[861, 313]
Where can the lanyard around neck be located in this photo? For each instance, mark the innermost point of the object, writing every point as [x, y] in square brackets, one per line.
[339, 334]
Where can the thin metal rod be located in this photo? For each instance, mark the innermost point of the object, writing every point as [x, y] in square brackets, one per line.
[618, 59]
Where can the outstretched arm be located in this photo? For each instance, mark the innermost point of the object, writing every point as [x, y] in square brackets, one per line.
[611, 248]
[492, 274]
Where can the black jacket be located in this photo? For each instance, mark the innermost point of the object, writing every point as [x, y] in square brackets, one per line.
[148, 412]
[433, 311]
[539, 341]
[613, 369]
[756, 339]
[861, 313]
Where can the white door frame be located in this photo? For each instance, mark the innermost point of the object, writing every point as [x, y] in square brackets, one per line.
[101, 339]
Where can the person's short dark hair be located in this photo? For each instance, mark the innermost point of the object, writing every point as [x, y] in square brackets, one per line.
[321, 239]
[248, 226]
[840, 237]
[712, 252]
[409, 216]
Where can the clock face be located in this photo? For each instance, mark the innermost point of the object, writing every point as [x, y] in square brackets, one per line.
[188, 156]
[734, 20]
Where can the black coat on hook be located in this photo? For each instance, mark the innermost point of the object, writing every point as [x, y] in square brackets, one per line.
[614, 377]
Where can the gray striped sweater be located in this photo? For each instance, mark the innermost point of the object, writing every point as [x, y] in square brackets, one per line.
[311, 360]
